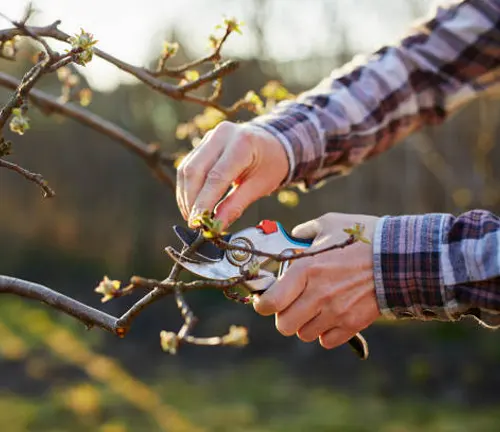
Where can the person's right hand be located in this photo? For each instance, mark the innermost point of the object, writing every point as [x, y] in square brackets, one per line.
[244, 156]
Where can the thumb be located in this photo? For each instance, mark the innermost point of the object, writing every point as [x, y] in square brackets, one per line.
[307, 230]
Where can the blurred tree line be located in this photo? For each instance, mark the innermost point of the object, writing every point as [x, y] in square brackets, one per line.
[111, 217]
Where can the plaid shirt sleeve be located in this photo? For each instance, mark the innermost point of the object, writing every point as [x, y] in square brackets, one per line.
[432, 266]
[439, 267]
[364, 108]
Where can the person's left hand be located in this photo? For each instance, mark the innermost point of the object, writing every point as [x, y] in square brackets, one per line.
[330, 296]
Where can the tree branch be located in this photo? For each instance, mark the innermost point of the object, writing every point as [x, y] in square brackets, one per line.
[89, 316]
[21, 25]
[142, 74]
[48, 61]
[93, 317]
[48, 192]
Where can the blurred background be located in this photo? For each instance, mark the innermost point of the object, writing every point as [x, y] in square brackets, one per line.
[111, 217]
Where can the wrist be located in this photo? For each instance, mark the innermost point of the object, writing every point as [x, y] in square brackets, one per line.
[301, 135]
[274, 150]
[284, 143]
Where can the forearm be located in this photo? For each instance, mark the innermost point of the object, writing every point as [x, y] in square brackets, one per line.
[439, 267]
[363, 109]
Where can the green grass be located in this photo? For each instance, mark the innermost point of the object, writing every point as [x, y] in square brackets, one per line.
[260, 397]
[256, 399]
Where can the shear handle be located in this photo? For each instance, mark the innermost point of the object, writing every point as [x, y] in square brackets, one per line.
[300, 243]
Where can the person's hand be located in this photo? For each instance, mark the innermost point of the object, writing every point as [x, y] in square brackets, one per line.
[246, 157]
[330, 296]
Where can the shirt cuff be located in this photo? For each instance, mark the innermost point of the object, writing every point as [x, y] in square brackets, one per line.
[408, 280]
[301, 135]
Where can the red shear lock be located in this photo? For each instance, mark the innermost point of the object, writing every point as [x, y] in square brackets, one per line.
[267, 226]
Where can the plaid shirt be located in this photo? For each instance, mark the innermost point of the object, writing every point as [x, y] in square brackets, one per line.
[433, 266]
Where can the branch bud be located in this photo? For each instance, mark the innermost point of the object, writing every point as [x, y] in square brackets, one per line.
[108, 288]
[357, 232]
[19, 123]
[253, 268]
[231, 24]
[83, 44]
[211, 228]
[85, 96]
[169, 342]
[8, 49]
[5, 147]
[170, 49]
[237, 336]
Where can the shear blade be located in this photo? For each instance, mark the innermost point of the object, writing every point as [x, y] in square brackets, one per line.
[179, 258]
[207, 250]
[188, 236]
[204, 269]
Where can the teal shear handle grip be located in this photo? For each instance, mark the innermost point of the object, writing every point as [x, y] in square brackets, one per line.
[299, 242]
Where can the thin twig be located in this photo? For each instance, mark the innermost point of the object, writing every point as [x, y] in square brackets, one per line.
[208, 341]
[170, 286]
[158, 290]
[63, 61]
[218, 72]
[125, 321]
[155, 294]
[190, 319]
[176, 72]
[48, 192]
[280, 257]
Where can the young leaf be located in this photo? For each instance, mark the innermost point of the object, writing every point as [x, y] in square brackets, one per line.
[108, 288]
[357, 232]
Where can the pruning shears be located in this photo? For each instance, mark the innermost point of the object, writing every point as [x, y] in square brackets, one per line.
[214, 263]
